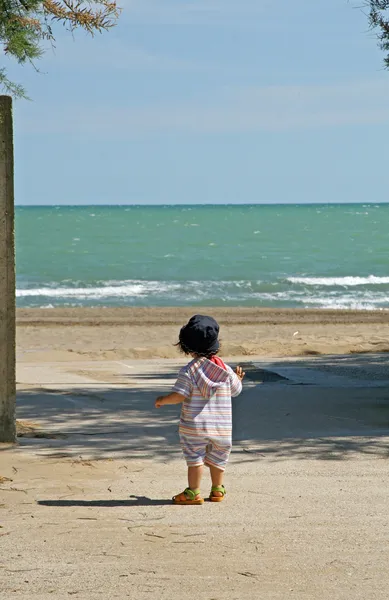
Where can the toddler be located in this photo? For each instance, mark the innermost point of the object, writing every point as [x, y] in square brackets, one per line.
[204, 387]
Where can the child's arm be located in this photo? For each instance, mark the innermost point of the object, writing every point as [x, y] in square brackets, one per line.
[172, 398]
[236, 381]
[182, 389]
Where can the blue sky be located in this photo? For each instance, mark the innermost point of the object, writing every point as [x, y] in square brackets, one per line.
[213, 101]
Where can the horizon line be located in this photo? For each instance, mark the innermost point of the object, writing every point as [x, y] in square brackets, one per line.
[154, 205]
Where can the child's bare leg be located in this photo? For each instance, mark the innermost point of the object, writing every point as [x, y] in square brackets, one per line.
[194, 477]
[217, 476]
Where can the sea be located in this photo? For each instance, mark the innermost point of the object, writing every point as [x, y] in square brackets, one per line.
[282, 256]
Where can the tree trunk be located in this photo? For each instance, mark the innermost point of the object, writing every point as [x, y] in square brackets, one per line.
[7, 275]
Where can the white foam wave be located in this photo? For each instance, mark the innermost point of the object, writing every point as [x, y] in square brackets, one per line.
[346, 303]
[340, 281]
[132, 289]
[185, 293]
[334, 300]
[125, 290]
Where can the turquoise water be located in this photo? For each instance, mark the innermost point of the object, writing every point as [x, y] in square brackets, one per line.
[318, 256]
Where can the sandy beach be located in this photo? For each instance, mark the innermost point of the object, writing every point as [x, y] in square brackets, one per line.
[85, 503]
[120, 333]
[85, 495]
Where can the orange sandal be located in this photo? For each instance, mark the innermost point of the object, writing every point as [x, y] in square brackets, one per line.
[217, 488]
[187, 497]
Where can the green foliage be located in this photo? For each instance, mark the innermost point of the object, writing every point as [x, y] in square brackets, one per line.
[13, 89]
[379, 21]
[26, 24]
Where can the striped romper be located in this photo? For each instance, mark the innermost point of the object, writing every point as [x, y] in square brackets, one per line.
[206, 415]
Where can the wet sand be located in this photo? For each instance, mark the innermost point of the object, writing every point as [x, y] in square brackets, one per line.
[119, 333]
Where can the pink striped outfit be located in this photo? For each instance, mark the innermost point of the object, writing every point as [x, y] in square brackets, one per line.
[206, 420]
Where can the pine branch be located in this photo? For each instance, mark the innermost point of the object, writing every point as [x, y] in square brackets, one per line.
[379, 21]
[13, 89]
[25, 24]
[77, 14]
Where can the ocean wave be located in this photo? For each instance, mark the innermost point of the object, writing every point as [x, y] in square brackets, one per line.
[129, 289]
[201, 293]
[133, 289]
[346, 303]
[340, 281]
[334, 300]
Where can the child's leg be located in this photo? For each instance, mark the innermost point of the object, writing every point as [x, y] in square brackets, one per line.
[194, 477]
[216, 459]
[217, 477]
[194, 451]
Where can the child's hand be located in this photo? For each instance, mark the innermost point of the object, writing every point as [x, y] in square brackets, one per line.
[159, 402]
[240, 373]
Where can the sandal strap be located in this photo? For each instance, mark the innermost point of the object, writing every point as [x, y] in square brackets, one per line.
[219, 488]
[191, 494]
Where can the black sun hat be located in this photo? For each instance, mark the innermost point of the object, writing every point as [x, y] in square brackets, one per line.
[200, 335]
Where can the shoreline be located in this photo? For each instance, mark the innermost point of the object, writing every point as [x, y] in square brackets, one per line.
[144, 333]
[172, 315]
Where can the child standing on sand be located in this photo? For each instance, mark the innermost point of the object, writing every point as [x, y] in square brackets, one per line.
[204, 387]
